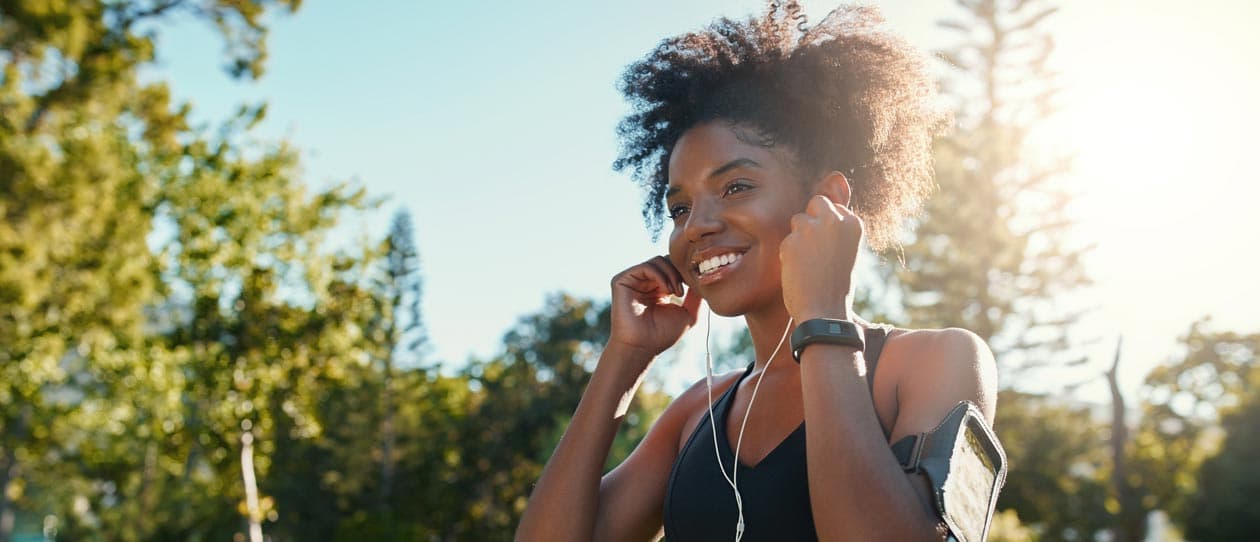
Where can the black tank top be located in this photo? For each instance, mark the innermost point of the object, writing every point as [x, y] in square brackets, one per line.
[699, 503]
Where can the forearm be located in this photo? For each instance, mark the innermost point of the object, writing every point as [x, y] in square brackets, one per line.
[564, 503]
[857, 489]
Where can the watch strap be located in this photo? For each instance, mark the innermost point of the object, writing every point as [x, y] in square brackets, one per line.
[826, 331]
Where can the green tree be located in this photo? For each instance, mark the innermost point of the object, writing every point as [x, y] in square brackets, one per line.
[522, 400]
[1225, 507]
[1186, 403]
[275, 320]
[387, 414]
[992, 253]
[403, 335]
[1057, 483]
[81, 142]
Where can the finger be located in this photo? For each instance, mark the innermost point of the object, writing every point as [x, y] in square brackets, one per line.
[849, 218]
[663, 268]
[799, 220]
[844, 211]
[816, 206]
[676, 280]
[821, 206]
[646, 280]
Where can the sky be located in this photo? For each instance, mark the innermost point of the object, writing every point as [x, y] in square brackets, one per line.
[493, 124]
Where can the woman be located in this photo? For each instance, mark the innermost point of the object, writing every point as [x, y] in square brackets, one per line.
[774, 150]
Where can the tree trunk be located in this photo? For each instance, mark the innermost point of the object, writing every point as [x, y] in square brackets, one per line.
[148, 493]
[1130, 521]
[251, 488]
[388, 437]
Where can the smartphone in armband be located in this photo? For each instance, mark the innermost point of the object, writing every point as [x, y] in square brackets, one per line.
[966, 466]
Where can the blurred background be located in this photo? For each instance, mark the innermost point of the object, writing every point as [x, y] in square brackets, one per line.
[283, 270]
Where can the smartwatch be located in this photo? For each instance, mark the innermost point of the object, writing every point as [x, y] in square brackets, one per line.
[827, 331]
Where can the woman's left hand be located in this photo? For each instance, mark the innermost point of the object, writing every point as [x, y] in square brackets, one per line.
[817, 260]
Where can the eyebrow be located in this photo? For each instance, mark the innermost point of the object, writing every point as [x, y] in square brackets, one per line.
[733, 164]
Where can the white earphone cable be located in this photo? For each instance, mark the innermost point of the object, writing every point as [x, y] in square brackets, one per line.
[733, 480]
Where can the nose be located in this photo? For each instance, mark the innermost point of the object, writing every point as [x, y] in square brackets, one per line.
[702, 219]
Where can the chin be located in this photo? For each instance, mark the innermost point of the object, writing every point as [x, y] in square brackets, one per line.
[726, 307]
[726, 313]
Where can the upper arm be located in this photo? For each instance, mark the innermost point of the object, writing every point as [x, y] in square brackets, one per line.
[632, 495]
[941, 369]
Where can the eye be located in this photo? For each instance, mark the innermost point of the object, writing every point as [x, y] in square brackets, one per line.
[677, 210]
[736, 186]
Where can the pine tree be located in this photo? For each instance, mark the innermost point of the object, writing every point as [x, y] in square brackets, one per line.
[404, 337]
[992, 253]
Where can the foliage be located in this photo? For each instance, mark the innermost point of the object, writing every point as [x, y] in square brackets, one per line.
[1225, 507]
[1006, 527]
[1187, 403]
[85, 152]
[1057, 482]
[168, 291]
[524, 400]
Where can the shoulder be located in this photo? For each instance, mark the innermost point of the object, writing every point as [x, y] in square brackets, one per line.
[689, 408]
[954, 348]
[698, 393]
[940, 367]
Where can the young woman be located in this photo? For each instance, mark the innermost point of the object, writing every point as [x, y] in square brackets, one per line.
[774, 150]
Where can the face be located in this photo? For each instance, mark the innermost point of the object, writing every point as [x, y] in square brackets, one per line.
[731, 203]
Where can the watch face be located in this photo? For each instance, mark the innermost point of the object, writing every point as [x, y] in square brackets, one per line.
[835, 328]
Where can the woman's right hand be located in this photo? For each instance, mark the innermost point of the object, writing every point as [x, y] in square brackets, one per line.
[643, 321]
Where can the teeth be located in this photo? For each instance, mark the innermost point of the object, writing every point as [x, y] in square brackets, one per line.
[716, 262]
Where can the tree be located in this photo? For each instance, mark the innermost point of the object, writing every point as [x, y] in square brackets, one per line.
[274, 319]
[1186, 404]
[1057, 483]
[381, 416]
[1225, 507]
[991, 254]
[80, 141]
[403, 333]
[522, 401]
[1130, 516]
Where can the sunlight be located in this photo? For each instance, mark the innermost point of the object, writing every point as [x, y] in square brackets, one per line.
[1159, 115]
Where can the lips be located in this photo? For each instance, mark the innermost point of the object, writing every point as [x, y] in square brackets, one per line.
[712, 264]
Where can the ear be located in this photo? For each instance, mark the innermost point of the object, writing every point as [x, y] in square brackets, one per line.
[835, 186]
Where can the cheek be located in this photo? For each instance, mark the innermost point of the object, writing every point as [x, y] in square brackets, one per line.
[678, 255]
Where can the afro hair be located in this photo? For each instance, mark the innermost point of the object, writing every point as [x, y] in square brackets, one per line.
[843, 95]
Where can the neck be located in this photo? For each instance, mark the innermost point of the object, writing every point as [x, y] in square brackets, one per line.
[766, 328]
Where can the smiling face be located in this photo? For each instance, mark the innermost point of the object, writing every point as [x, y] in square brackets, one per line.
[731, 203]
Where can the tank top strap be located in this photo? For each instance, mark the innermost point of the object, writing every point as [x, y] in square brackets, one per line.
[874, 336]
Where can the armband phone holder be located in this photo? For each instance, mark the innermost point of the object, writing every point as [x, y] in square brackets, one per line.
[966, 466]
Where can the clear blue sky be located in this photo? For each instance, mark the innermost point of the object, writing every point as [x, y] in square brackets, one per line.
[492, 122]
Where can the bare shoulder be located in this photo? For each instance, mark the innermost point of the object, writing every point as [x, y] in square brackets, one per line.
[941, 367]
[956, 347]
[691, 405]
[631, 496]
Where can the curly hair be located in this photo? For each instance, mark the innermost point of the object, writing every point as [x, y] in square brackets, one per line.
[842, 95]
